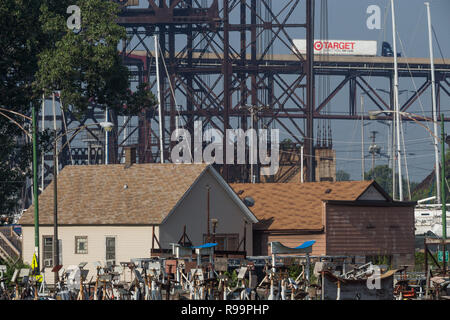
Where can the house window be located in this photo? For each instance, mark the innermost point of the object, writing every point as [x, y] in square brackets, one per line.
[81, 245]
[111, 250]
[225, 242]
[47, 251]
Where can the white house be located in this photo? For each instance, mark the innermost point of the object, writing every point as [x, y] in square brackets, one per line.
[109, 213]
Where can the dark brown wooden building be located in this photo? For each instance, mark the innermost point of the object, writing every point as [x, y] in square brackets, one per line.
[351, 218]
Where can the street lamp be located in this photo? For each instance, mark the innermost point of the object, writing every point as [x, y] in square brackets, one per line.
[33, 137]
[373, 115]
[107, 126]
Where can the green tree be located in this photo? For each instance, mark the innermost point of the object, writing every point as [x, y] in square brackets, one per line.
[341, 175]
[38, 54]
[84, 66]
[382, 174]
[427, 188]
[20, 43]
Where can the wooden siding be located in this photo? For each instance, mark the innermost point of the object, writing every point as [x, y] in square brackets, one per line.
[192, 213]
[262, 240]
[369, 230]
[131, 242]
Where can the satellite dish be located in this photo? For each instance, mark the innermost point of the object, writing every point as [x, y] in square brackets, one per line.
[249, 201]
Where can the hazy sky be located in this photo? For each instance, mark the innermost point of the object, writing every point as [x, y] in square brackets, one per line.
[347, 20]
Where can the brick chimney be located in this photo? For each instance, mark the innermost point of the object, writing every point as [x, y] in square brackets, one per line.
[130, 156]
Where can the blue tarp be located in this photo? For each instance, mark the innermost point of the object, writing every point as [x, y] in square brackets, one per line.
[205, 246]
[306, 244]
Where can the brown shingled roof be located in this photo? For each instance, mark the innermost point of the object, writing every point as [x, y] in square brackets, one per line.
[296, 206]
[96, 194]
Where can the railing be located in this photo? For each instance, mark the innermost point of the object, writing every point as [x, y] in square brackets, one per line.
[10, 244]
[12, 236]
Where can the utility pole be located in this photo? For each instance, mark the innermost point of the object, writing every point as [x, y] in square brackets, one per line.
[373, 150]
[55, 208]
[35, 186]
[42, 130]
[54, 124]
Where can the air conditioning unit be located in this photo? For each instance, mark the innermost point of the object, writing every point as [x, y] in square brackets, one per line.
[110, 263]
[48, 263]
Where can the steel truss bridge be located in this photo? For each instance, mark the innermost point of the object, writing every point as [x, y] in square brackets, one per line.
[222, 56]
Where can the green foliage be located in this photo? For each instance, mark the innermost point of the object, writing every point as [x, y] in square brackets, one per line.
[341, 175]
[383, 176]
[420, 261]
[84, 66]
[294, 270]
[38, 53]
[428, 189]
[10, 270]
[288, 144]
[20, 42]
[381, 260]
[232, 278]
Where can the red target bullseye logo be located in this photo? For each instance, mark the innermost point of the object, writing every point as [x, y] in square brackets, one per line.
[318, 45]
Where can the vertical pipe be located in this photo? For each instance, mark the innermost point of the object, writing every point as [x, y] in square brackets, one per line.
[189, 81]
[245, 237]
[226, 86]
[253, 63]
[443, 195]
[55, 208]
[153, 237]
[433, 100]
[54, 125]
[406, 162]
[301, 164]
[391, 100]
[396, 105]
[43, 154]
[35, 185]
[161, 142]
[363, 165]
[207, 214]
[252, 173]
[106, 139]
[310, 89]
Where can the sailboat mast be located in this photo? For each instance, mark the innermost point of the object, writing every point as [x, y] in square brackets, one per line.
[433, 98]
[396, 105]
